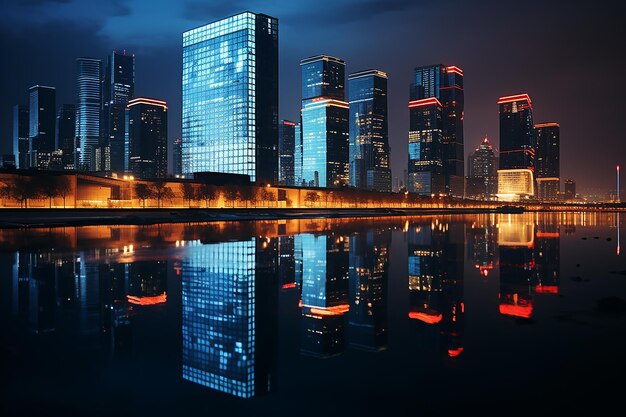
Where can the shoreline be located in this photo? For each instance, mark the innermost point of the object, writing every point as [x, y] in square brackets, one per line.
[38, 217]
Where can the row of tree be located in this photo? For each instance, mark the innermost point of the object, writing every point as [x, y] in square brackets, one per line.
[38, 187]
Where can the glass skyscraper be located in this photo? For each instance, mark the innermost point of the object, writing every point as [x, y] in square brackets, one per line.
[325, 132]
[21, 122]
[65, 131]
[547, 157]
[42, 125]
[286, 147]
[436, 109]
[482, 171]
[369, 143]
[230, 97]
[297, 155]
[87, 112]
[118, 87]
[177, 156]
[517, 145]
[147, 138]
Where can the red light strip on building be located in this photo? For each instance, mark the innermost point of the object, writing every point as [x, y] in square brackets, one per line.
[455, 69]
[149, 101]
[288, 123]
[425, 317]
[147, 301]
[424, 102]
[517, 97]
[289, 285]
[547, 289]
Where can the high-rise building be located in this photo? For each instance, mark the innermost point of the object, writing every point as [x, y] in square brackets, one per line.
[482, 172]
[570, 189]
[517, 146]
[297, 155]
[21, 121]
[230, 97]
[41, 125]
[325, 132]
[66, 129]
[88, 113]
[147, 137]
[177, 156]
[436, 141]
[369, 137]
[286, 148]
[118, 87]
[547, 157]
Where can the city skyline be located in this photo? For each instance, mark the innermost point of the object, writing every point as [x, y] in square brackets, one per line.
[482, 85]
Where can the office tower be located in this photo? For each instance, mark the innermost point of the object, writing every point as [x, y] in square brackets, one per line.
[7, 160]
[369, 138]
[482, 172]
[229, 312]
[230, 97]
[436, 142]
[517, 148]
[547, 157]
[21, 120]
[118, 87]
[177, 154]
[297, 155]
[325, 132]
[286, 148]
[147, 137]
[87, 113]
[66, 129]
[570, 189]
[42, 121]
[369, 274]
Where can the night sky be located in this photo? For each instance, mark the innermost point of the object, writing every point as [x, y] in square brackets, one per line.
[567, 55]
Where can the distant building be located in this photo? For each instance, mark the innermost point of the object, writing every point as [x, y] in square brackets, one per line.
[286, 148]
[517, 143]
[7, 161]
[118, 87]
[547, 157]
[570, 189]
[177, 156]
[482, 181]
[297, 155]
[147, 138]
[325, 132]
[88, 103]
[65, 131]
[369, 137]
[436, 142]
[515, 184]
[230, 97]
[42, 116]
[21, 121]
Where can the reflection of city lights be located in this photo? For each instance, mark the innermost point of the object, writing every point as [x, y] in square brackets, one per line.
[453, 353]
[147, 301]
[425, 317]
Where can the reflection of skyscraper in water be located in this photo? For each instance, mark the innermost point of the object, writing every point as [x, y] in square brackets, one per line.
[482, 245]
[324, 293]
[229, 307]
[42, 292]
[435, 257]
[369, 272]
[115, 315]
[517, 264]
[547, 254]
[88, 290]
[286, 262]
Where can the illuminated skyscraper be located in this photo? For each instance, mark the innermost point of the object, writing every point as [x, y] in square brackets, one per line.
[177, 156]
[42, 125]
[118, 87]
[88, 103]
[230, 97]
[147, 138]
[547, 157]
[65, 131]
[482, 179]
[286, 148]
[369, 143]
[297, 155]
[325, 132]
[21, 122]
[570, 189]
[436, 142]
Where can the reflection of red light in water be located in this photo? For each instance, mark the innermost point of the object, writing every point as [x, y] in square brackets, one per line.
[524, 311]
[547, 235]
[289, 285]
[331, 311]
[147, 301]
[547, 289]
[453, 353]
[425, 317]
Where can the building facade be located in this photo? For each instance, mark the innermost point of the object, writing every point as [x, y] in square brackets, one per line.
[547, 160]
[88, 103]
[42, 122]
[297, 155]
[369, 137]
[177, 156]
[65, 131]
[286, 148]
[21, 121]
[436, 112]
[570, 190]
[230, 97]
[482, 179]
[147, 138]
[325, 132]
[118, 87]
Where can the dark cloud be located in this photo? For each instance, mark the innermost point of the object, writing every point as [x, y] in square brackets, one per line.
[206, 11]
